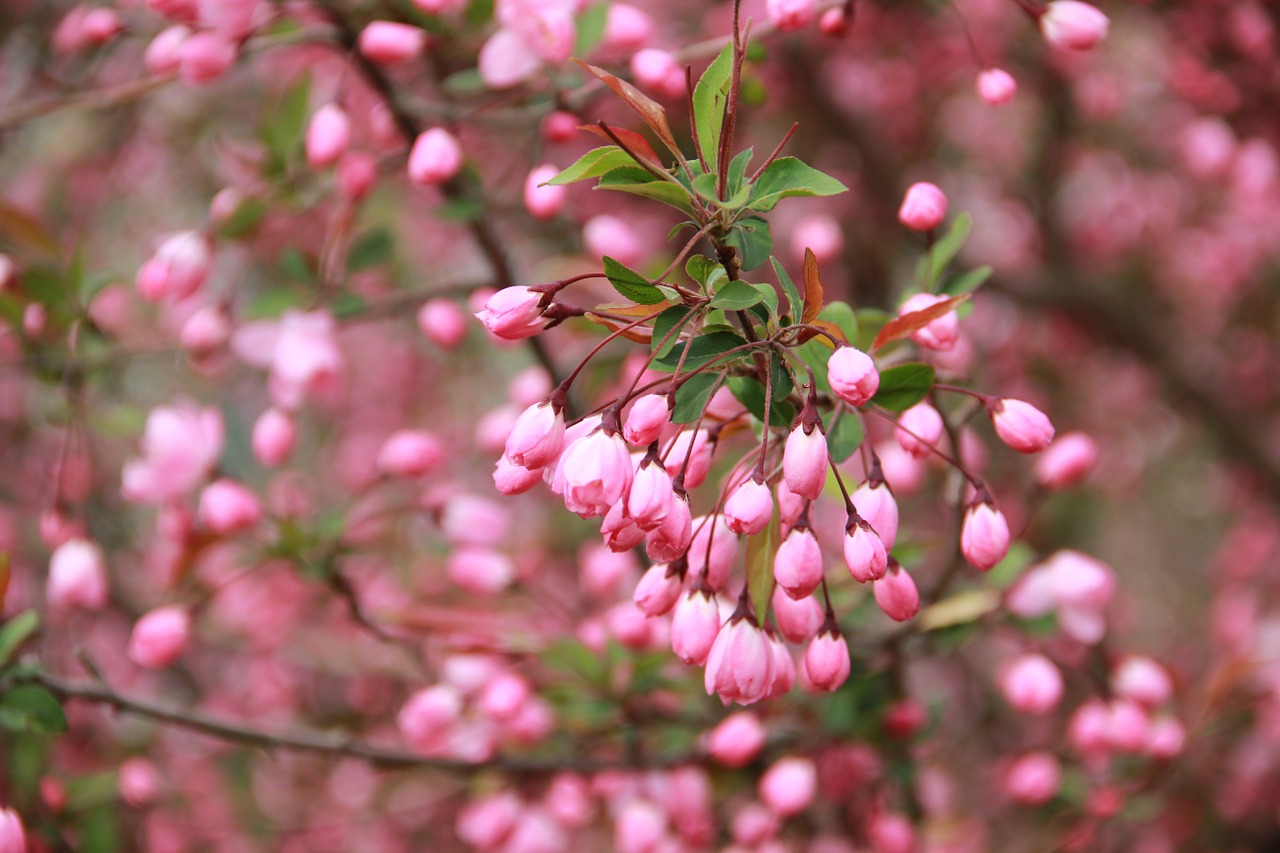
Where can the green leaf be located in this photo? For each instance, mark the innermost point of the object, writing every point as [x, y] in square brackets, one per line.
[591, 24]
[702, 349]
[750, 393]
[348, 305]
[243, 219]
[761, 549]
[710, 97]
[903, 385]
[370, 250]
[15, 632]
[843, 317]
[700, 268]
[816, 354]
[967, 282]
[665, 322]
[296, 265]
[573, 657]
[739, 295]
[844, 437]
[705, 186]
[29, 708]
[752, 239]
[788, 177]
[780, 376]
[794, 300]
[593, 164]
[738, 174]
[284, 126]
[932, 265]
[870, 322]
[459, 210]
[272, 303]
[692, 396]
[630, 283]
[635, 180]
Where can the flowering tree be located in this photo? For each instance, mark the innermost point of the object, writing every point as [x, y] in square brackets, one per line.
[829, 357]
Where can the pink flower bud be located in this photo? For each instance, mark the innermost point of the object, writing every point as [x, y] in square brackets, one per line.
[77, 576]
[160, 637]
[984, 538]
[940, 334]
[1143, 680]
[648, 416]
[651, 68]
[1165, 738]
[543, 202]
[896, 594]
[177, 269]
[537, 437]
[789, 786]
[891, 833]
[443, 323]
[503, 696]
[569, 801]
[694, 626]
[658, 590]
[1087, 728]
[609, 235]
[740, 664]
[561, 126]
[597, 473]
[426, 718]
[826, 661]
[410, 453]
[790, 505]
[804, 462]
[784, 668]
[750, 508]
[670, 540]
[996, 86]
[1126, 726]
[919, 430]
[864, 553]
[1033, 778]
[328, 136]
[204, 57]
[12, 837]
[436, 157]
[512, 313]
[138, 783]
[274, 437]
[357, 173]
[876, 504]
[853, 375]
[797, 567]
[1067, 461]
[1073, 25]
[627, 28]
[164, 53]
[797, 618]
[904, 718]
[228, 507]
[651, 496]
[205, 331]
[689, 453]
[754, 824]
[639, 826]
[512, 479]
[100, 25]
[923, 207]
[388, 42]
[1031, 684]
[1021, 425]
[714, 548]
[737, 740]
[480, 570]
[819, 233]
[791, 14]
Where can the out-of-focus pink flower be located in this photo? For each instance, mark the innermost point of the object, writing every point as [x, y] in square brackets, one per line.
[639, 826]
[357, 173]
[1031, 684]
[939, 334]
[1076, 587]
[996, 86]
[233, 19]
[328, 136]
[609, 235]
[737, 740]
[543, 202]
[204, 57]
[791, 14]
[483, 571]
[77, 576]
[228, 507]
[891, 833]
[389, 42]
[486, 822]
[160, 637]
[435, 158]
[443, 322]
[274, 436]
[1021, 425]
[1067, 461]
[12, 837]
[626, 29]
[531, 33]
[177, 269]
[820, 234]
[1073, 25]
[180, 445]
[300, 349]
[924, 207]
[789, 786]
[1141, 679]
[205, 331]
[138, 783]
[1033, 778]
[410, 453]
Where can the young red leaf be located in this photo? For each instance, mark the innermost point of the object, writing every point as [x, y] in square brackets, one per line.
[901, 327]
[812, 288]
[647, 108]
[634, 141]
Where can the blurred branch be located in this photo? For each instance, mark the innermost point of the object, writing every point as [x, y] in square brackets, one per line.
[108, 96]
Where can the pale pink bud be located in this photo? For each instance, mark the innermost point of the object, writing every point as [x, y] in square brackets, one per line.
[483, 571]
[638, 827]
[205, 331]
[804, 462]
[651, 496]
[502, 697]
[627, 28]
[984, 538]
[1143, 680]
[428, 715]
[486, 822]
[740, 664]
[410, 453]
[228, 507]
[569, 801]
[658, 590]
[231, 18]
[357, 173]
[1067, 461]
[791, 14]
[789, 786]
[797, 619]
[274, 437]
[652, 67]
[714, 548]
[160, 637]
[561, 126]
[204, 57]
[12, 837]
[790, 505]
[833, 23]
[853, 375]
[597, 473]
[512, 479]
[537, 437]
[797, 567]
[864, 553]
[443, 322]
[737, 740]
[100, 25]
[1087, 728]
[1021, 425]
[1165, 738]
[891, 833]
[648, 416]
[77, 576]
[826, 661]
[1033, 778]
[753, 824]
[896, 594]
[1126, 726]
[225, 204]
[694, 626]
[138, 783]
[543, 202]
[1031, 684]
[689, 453]
[164, 53]
[750, 508]
[670, 540]
[177, 269]
[436, 157]
[619, 531]
[328, 136]
[388, 42]
[819, 233]
[34, 320]
[609, 235]
[876, 504]
[512, 313]
[919, 430]
[1073, 25]
[923, 207]
[939, 334]
[784, 668]
[996, 86]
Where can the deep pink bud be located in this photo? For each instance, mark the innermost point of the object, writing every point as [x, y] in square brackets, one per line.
[160, 637]
[853, 375]
[1033, 778]
[228, 507]
[826, 661]
[1031, 684]
[1067, 461]
[138, 784]
[791, 14]
[443, 322]
[658, 590]
[797, 619]
[569, 800]
[1127, 729]
[996, 86]
[77, 576]
[1073, 25]
[503, 696]
[357, 173]
[864, 553]
[12, 837]
[651, 496]
[561, 126]
[694, 626]
[648, 416]
[737, 740]
[537, 437]
[1021, 425]
[754, 824]
[939, 334]
[896, 594]
[789, 786]
[543, 202]
[750, 508]
[1087, 728]
[923, 207]
[512, 313]
[797, 567]
[328, 136]
[670, 540]
[891, 833]
[410, 453]
[436, 157]
[388, 42]
[205, 331]
[204, 57]
[984, 538]
[740, 665]
[876, 504]
[804, 462]
[919, 430]
[1143, 680]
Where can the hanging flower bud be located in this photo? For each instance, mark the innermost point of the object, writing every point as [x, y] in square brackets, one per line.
[791, 14]
[996, 86]
[740, 664]
[920, 430]
[1020, 425]
[750, 508]
[896, 593]
[427, 717]
[512, 479]
[923, 207]
[513, 313]
[77, 576]
[619, 531]
[410, 453]
[204, 57]
[543, 202]
[328, 136]
[389, 42]
[443, 323]
[804, 461]
[852, 375]
[228, 507]
[939, 334]
[1067, 461]
[1033, 778]
[658, 590]
[1073, 25]
[694, 626]
[164, 53]
[789, 786]
[798, 619]
[648, 416]
[689, 453]
[651, 495]
[436, 157]
[737, 740]
[160, 637]
[876, 504]
[826, 661]
[1031, 684]
[784, 668]
[177, 269]
[670, 540]
[537, 437]
[864, 553]
[597, 473]
[797, 567]
[984, 537]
